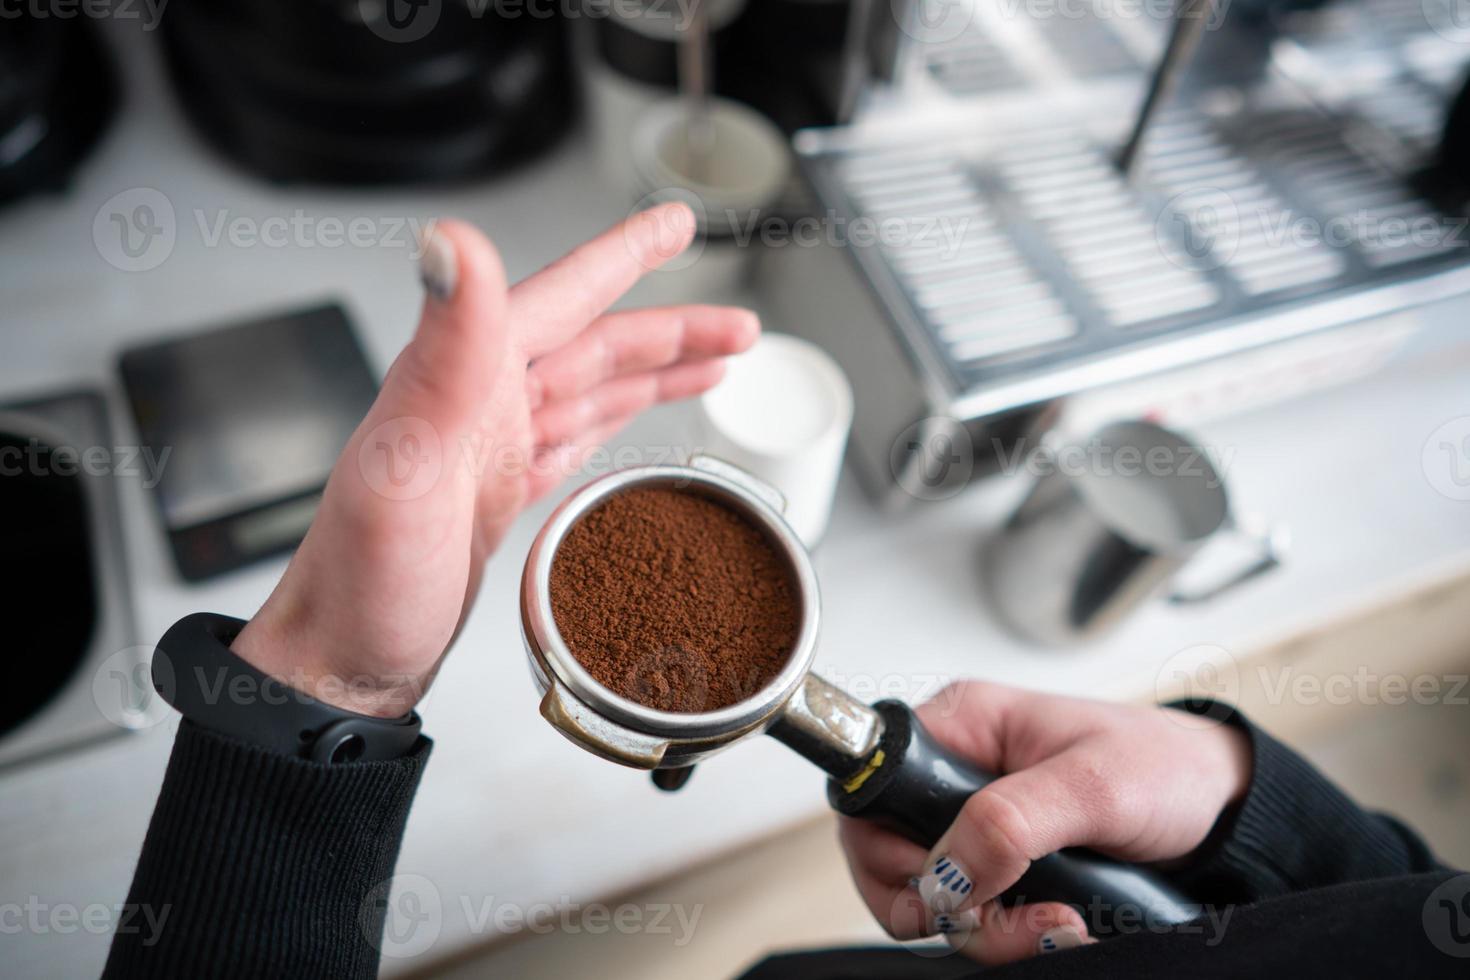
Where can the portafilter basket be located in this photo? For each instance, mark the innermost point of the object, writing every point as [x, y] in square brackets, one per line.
[634, 734]
[884, 766]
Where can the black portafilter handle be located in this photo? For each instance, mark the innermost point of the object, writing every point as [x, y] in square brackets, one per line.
[917, 788]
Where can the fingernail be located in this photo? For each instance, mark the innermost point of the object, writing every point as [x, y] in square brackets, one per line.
[952, 923]
[438, 267]
[1062, 937]
[945, 885]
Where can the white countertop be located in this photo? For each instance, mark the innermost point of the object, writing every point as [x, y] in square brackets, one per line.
[509, 812]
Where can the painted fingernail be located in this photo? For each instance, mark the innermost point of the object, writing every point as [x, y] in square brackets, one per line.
[953, 923]
[945, 885]
[438, 267]
[1062, 937]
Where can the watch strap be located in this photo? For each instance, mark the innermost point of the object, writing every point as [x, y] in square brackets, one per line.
[195, 670]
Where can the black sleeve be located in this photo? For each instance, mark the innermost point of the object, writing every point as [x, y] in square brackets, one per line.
[258, 864]
[1294, 831]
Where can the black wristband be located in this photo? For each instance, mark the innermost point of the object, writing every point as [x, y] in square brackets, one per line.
[195, 670]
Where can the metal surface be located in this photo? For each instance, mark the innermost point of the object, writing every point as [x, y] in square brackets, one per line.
[109, 693]
[828, 726]
[624, 730]
[1279, 194]
[1190, 20]
[1098, 535]
[823, 723]
[695, 57]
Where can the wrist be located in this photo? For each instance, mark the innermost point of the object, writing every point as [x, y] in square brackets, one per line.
[197, 671]
[1232, 763]
[282, 644]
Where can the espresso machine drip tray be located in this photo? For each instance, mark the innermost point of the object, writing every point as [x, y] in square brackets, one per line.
[1012, 262]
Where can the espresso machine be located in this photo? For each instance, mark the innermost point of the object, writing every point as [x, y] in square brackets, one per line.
[1033, 202]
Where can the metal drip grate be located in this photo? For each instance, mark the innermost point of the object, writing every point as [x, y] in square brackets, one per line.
[1086, 44]
[1058, 255]
[1102, 231]
[1370, 211]
[1401, 106]
[1225, 213]
[976, 292]
[972, 64]
[1007, 45]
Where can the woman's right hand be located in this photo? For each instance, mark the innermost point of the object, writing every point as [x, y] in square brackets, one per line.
[1140, 784]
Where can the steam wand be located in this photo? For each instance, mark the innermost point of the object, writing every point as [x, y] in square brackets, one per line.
[695, 77]
[1190, 20]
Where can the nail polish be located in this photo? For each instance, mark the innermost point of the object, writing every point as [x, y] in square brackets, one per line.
[952, 923]
[1062, 937]
[945, 885]
[438, 267]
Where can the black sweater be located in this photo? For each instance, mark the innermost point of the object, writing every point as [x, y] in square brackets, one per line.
[266, 865]
[273, 867]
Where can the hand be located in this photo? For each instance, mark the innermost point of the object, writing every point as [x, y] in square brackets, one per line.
[495, 399]
[1136, 783]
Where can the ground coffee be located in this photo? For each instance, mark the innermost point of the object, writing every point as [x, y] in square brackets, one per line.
[674, 600]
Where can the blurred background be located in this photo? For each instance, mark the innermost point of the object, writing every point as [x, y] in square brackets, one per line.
[1045, 283]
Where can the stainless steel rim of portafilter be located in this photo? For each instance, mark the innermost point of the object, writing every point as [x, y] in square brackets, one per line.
[617, 727]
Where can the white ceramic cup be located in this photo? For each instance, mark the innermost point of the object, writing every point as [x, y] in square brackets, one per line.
[782, 412]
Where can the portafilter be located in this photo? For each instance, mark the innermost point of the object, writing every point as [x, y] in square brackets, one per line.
[882, 763]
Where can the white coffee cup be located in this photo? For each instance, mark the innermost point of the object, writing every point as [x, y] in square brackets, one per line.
[782, 412]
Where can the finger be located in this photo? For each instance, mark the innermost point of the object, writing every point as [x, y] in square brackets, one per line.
[970, 718]
[883, 864]
[1004, 729]
[993, 934]
[563, 421]
[552, 464]
[449, 367]
[1003, 828]
[883, 867]
[636, 341]
[433, 395]
[556, 303]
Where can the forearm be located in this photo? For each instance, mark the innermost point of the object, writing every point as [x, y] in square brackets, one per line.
[259, 864]
[1294, 831]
